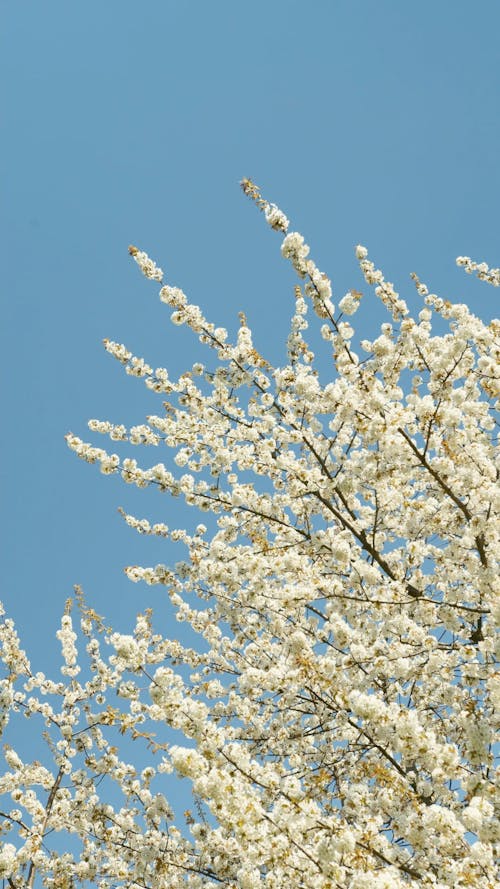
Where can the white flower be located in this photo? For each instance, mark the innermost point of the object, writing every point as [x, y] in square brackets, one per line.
[276, 218]
[349, 304]
[7, 860]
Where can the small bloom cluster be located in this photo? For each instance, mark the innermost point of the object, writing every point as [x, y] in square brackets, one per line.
[276, 218]
[143, 526]
[109, 463]
[384, 289]
[148, 268]
[116, 433]
[296, 250]
[482, 270]
[67, 638]
[349, 304]
[118, 351]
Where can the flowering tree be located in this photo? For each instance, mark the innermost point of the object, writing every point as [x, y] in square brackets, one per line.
[338, 713]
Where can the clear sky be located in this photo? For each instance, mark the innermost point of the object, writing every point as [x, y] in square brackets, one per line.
[372, 122]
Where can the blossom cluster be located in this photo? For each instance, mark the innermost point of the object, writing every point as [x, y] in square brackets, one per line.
[340, 711]
[482, 270]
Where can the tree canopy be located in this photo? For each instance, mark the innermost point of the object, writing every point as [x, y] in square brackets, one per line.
[339, 710]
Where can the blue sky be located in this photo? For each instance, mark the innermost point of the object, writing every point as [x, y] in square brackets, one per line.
[133, 123]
